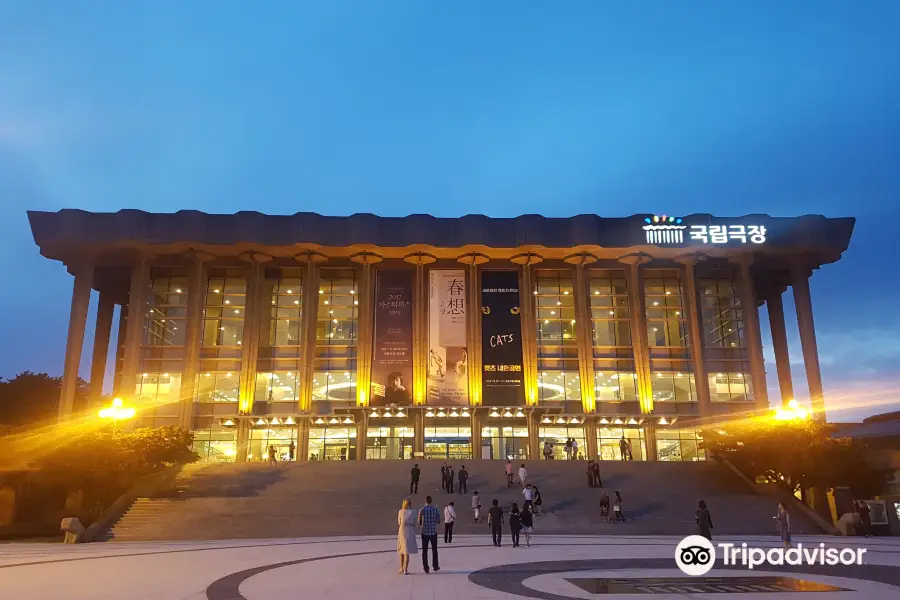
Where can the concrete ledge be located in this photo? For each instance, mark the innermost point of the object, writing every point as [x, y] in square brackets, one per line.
[809, 513]
[142, 487]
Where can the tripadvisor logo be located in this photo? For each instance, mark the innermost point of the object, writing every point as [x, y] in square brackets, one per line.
[695, 555]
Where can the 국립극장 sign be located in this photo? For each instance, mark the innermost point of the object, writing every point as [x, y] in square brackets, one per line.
[672, 231]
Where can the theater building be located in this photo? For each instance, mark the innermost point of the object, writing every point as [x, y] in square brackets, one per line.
[364, 337]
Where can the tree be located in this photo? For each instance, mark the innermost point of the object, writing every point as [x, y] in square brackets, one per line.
[796, 455]
[32, 398]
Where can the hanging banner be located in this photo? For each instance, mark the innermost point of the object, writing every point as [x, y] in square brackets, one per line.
[392, 363]
[448, 382]
[502, 380]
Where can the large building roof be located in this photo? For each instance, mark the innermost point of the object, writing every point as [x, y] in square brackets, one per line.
[66, 232]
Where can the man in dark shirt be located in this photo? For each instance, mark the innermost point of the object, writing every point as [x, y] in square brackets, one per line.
[429, 519]
[450, 476]
[495, 520]
[444, 468]
[463, 477]
[414, 479]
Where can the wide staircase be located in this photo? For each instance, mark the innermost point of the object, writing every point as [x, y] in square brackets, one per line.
[358, 498]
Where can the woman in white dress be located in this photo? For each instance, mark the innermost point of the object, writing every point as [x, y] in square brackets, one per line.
[406, 535]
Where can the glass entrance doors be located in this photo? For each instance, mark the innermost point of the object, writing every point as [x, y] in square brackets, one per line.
[283, 439]
[609, 441]
[332, 443]
[448, 441]
[390, 442]
[504, 443]
[556, 437]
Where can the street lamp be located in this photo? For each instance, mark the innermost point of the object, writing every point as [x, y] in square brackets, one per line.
[117, 412]
[792, 412]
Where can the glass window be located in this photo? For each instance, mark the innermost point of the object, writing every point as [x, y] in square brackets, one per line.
[390, 442]
[282, 309]
[723, 322]
[336, 337]
[673, 387]
[283, 386]
[223, 315]
[666, 326]
[504, 443]
[609, 443]
[216, 445]
[730, 387]
[679, 445]
[615, 387]
[166, 308]
[610, 313]
[557, 346]
[451, 442]
[218, 387]
[157, 389]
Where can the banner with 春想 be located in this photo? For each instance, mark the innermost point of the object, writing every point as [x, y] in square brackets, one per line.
[392, 363]
[448, 362]
[502, 379]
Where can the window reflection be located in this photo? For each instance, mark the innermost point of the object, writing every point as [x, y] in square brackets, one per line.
[557, 346]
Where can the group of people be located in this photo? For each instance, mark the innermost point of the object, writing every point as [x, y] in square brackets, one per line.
[571, 450]
[429, 518]
[447, 477]
[594, 481]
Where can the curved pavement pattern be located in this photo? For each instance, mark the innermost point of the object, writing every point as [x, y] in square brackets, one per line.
[366, 568]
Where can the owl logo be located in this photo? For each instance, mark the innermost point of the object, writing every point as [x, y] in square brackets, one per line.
[486, 310]
[514, 310]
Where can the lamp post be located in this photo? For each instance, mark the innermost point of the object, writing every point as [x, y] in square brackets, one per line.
[117, 412]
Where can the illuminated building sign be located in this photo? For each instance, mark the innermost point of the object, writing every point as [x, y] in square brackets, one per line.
[665, 230]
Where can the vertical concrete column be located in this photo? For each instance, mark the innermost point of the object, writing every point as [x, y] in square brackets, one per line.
[590, 434]
[585, 334]
[81, 299]
[362, 422]
[196, 301]
[120, 348]
[134, 327]
[534, 443]
[775, 305]
[420, 328]
[694, 317]
[639, 341]
[102, 330]
[366, 293]
[419, 425]
[302, 440]
[250, 342]
[243, 440]
[650, 440]
[473, 325]
[751, 328]
[527, 314]
[803, 303]
[475, 424]
[308, 324]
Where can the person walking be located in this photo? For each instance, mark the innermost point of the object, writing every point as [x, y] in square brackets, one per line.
[449, 520]
[527, 519]
[509, 473]
[865, 518]
[450, 476]
[515, 524]
[429, 519]
[704, 520]
[495, 521]
[604, 507]
[783, 524]
[590, 473]
[406, 535]
[538, 500]
[273, 460]
[528, 493]
[444, 477]
[597, 482]
[574, 449]
[623, 448]
[523, 475]
[414, 474]
[628, 447]
[617, 508]
[292, 449]
[568, 448]
[476, 505]
[463, 478]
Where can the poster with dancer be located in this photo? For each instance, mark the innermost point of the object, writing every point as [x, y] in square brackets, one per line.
[392, 363]
[448, 359]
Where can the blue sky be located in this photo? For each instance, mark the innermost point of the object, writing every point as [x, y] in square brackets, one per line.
[452, 108]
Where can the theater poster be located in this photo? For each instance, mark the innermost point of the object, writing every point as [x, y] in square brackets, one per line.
[448, 358]
[392, 363]
[502, 379]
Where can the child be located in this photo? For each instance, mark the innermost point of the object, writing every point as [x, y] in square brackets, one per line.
[476, 505]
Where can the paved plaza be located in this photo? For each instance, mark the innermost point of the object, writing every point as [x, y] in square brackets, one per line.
[358, 568]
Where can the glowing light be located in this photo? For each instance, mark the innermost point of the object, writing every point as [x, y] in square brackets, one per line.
[116, 411]
[792, 412]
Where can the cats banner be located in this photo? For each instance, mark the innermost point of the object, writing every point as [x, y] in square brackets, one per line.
[448, 383]
[502, 379]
